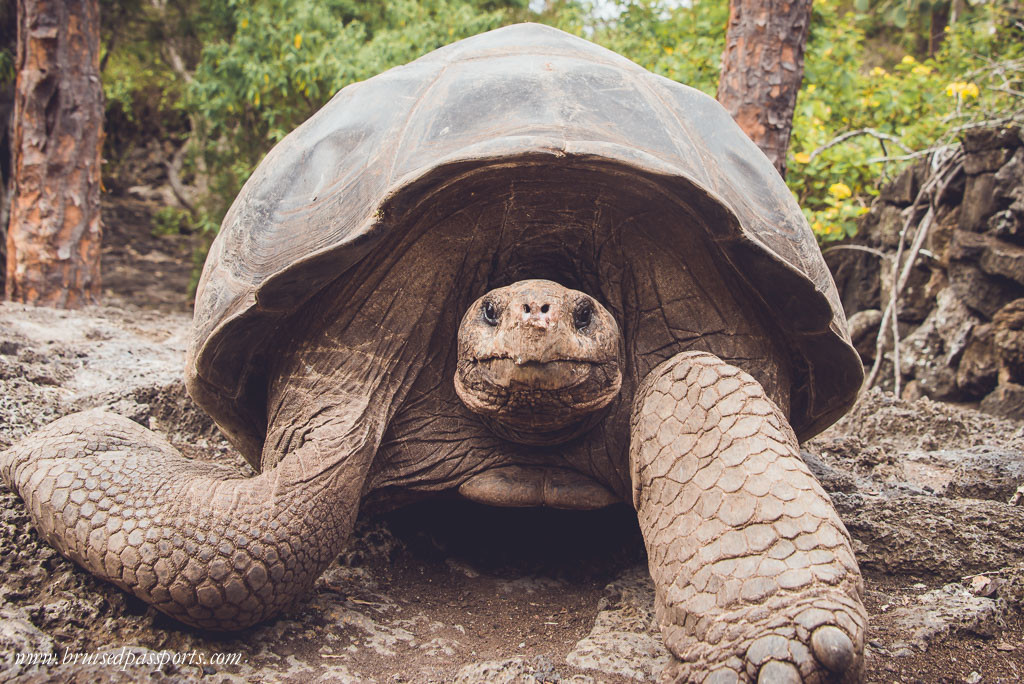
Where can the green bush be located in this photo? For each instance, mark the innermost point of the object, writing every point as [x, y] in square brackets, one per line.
[917, 104]
[281, 60]
[267, 65]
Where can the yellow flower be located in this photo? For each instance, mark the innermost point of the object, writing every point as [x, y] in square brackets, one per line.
[298, 41]
[811, 88]
[817, 227]
[963, 89]
[907, 59]
[921, 70]
[879, 71]
[668, 50]
[244, 23]
[802, 158]
[840, 190]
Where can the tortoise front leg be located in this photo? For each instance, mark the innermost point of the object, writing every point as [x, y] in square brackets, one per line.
[753, 569]
[195, 540]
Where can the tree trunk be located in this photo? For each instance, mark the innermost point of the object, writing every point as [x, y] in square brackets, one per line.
[762, 68]
[53, 239]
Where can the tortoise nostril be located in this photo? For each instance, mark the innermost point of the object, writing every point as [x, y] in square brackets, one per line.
[544, 309]
[526, 308]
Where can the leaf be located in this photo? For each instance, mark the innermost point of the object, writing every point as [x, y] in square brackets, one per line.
[899, 16]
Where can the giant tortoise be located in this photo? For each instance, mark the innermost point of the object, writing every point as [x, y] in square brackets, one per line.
[526, 269]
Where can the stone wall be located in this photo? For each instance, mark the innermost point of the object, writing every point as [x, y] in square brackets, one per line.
[961, 313]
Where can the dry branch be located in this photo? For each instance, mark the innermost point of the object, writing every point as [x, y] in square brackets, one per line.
[933, 190]
[861, 131]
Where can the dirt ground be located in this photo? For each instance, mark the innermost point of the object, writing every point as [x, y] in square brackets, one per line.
[451, 591]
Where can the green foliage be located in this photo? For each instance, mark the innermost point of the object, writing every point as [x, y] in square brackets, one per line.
[261, 67]
[918, 104]
[684, 44]
[281, 60]
[171, 221]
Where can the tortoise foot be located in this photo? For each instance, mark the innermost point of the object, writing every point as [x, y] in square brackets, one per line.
[813, 639]
[755, 576]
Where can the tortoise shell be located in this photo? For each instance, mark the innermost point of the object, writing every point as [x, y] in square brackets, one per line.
[527, 96]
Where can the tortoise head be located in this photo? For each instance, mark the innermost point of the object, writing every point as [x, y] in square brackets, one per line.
[538, 361]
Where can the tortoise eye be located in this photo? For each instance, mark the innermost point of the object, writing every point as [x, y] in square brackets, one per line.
[583, 314]
[490, 313]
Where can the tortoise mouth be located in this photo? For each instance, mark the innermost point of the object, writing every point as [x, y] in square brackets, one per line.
[524, 375]
[533, 402]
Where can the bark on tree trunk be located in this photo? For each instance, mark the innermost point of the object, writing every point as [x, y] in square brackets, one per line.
[53, 239]
[762, 68]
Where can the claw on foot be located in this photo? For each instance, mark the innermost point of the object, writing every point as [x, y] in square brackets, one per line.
[833, 649]
[778, 672]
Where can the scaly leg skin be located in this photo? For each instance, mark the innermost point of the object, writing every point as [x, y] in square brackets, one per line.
[195, 540]
[754, 573]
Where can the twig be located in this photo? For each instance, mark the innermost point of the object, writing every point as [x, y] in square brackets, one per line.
[942, 178]
[174, 177]
[1008, 90]
[861, 131]
[911, 155]
[985, 123]
[859, 248]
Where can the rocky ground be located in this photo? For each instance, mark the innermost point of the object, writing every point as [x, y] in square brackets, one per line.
[454, 592]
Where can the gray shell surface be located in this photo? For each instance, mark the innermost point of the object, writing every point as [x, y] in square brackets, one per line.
[331, 190]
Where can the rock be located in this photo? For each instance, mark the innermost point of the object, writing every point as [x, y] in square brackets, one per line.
[953, 609]
[978, 472]
[625, 639]
[979, 202]
[979, 366]
[830, 478]
[24, 646]
[912, 391]
[1008, 179]
[991, 473]
[932, 352]
[883, 422]
[918, 296]
[996, 257]
[1007, 225]
[883, 225]
[931, 536]
[856, 274]
[978, 291]
[515, 671]
[1008, 341]
[903, 191]
[986, 161]
[991, 138]
[863, 327]
[1007, 399]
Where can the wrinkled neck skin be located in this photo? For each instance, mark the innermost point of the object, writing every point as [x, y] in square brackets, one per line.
[538, 362]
